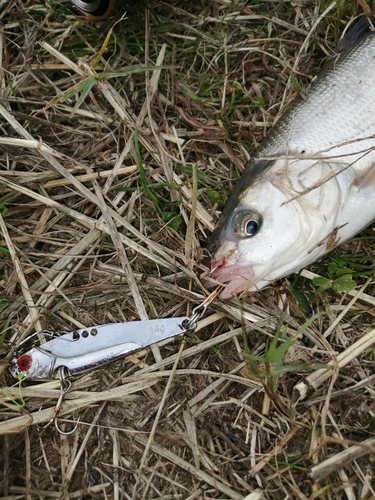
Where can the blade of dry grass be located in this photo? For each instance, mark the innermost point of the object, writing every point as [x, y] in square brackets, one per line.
[316, 379]
[151, 436]
[112, 231]
[337, 461]
[33, 313]
[43, 416]
[116, 171]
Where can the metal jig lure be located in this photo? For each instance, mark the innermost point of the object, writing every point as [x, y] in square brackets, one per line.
[49, 355]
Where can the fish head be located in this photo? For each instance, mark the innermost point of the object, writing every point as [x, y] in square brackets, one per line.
[255, 240]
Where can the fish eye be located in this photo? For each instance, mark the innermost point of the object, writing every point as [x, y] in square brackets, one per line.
[246, 223]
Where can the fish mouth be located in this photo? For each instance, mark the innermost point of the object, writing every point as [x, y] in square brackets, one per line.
[236, 278]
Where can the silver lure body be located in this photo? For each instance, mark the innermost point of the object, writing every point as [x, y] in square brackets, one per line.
[40, 356]
[312, 184]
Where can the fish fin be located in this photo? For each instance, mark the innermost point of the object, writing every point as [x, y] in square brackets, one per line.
[360, 28]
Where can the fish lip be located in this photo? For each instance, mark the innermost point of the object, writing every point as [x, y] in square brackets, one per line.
[238, 279]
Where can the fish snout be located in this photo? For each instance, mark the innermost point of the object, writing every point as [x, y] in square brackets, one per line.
[228, 272]
[209, 278]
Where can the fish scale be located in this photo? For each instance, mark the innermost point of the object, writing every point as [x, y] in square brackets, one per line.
[339, 97]
[311, 185]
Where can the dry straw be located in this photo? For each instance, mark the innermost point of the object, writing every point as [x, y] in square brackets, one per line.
[120, 140]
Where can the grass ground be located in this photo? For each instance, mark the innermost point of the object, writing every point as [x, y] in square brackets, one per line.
[120, 141]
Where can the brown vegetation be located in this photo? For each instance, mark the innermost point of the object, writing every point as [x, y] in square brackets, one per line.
[95, 228]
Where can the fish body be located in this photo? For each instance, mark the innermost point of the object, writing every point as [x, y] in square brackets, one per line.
[312, 183]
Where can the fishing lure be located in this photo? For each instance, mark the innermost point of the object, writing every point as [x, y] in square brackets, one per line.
[47, 355]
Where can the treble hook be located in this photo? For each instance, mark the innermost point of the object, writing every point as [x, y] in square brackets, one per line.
[65, 385]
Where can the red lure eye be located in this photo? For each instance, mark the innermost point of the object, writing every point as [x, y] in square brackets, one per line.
[24, 362]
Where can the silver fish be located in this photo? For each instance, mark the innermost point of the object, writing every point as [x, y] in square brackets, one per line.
[312, 183]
